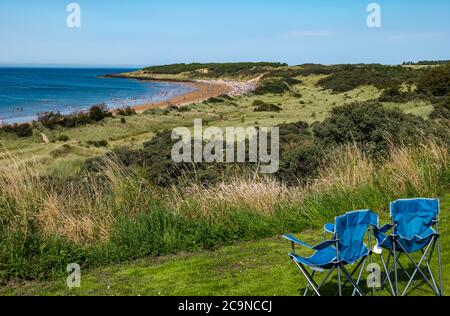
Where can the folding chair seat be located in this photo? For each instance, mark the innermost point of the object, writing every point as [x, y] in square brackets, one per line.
[346, 247]
[414, 228]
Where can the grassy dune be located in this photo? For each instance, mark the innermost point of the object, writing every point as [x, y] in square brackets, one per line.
[54, 212]
[313, 105]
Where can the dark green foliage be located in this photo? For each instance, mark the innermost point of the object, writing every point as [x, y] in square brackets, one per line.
[300, 164]
[63, 138]
[303, 70]
[96, 113]
[99, 112]
[442, 110]
[396, 95]
[261, 106]
[292, 81]
[127, 111]
[76, 119]
[214, 69]
[275, 87]
[427, 62]
[21, 130]
[50, 119]
[435, 81]
[350, 77]
[98, 143]
[371, 126]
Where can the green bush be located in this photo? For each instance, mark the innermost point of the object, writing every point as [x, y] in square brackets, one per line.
[435, 81]
[63, 138]
[99, 112]
[274, 87]
[372, 126]
[300, 164]
[127, 111]
[442, 110]
[214, 69]
[50, 119]
[21, 130]
[350, 77]
[261, 106]
[98, 143]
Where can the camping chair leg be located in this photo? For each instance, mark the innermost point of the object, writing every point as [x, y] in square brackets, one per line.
[359, 276]
[438, 292]
[339, 280]
[349, 278]
[325, 279]
[441, 280]
[387, 274]
[353, 273]
[370, 254]
[417, 266]
[395, 267]
[307, 287]
[404, 269]
[308, 277]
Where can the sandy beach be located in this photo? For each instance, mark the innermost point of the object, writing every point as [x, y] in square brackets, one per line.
[204, 90]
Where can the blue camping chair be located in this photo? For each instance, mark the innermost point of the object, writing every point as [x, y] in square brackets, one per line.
[414, 228]
[346, 247]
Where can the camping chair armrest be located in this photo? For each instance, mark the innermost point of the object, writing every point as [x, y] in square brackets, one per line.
[325, 244]
[296, 241]
[384, 229]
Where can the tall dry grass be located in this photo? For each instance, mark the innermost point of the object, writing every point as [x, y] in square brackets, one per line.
[117, 215]
[81, 212]
[87, 215]
[406, 170]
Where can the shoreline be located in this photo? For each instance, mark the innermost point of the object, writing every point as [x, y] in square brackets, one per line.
[203, 90]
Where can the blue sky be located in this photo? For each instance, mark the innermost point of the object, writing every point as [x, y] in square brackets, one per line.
[147, 32]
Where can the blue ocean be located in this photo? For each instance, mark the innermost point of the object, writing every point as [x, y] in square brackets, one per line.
[26, 92]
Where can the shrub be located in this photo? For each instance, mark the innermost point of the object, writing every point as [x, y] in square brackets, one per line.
[99, 112]
[261, 106]
[50, 119]
[350, 77]
[127, 111]
[442, 110]
[214, 69]
[435, 81]
[98, 143]
[300, 164]
[292, 81]
[63, 138]
[76, 119]
[274, 87]
[21, 130]
[371, 126]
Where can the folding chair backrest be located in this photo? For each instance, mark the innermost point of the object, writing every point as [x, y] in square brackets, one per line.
[414, 217]
[350, 229]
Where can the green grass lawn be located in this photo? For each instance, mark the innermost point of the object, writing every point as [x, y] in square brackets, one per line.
[248, 268]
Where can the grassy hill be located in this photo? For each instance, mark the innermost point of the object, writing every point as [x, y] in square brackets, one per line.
[107, 192]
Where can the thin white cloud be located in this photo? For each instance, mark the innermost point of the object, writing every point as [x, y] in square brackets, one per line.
[415, 35]
[307, 34]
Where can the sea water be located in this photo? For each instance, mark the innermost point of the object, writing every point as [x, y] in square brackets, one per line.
[26, 92]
